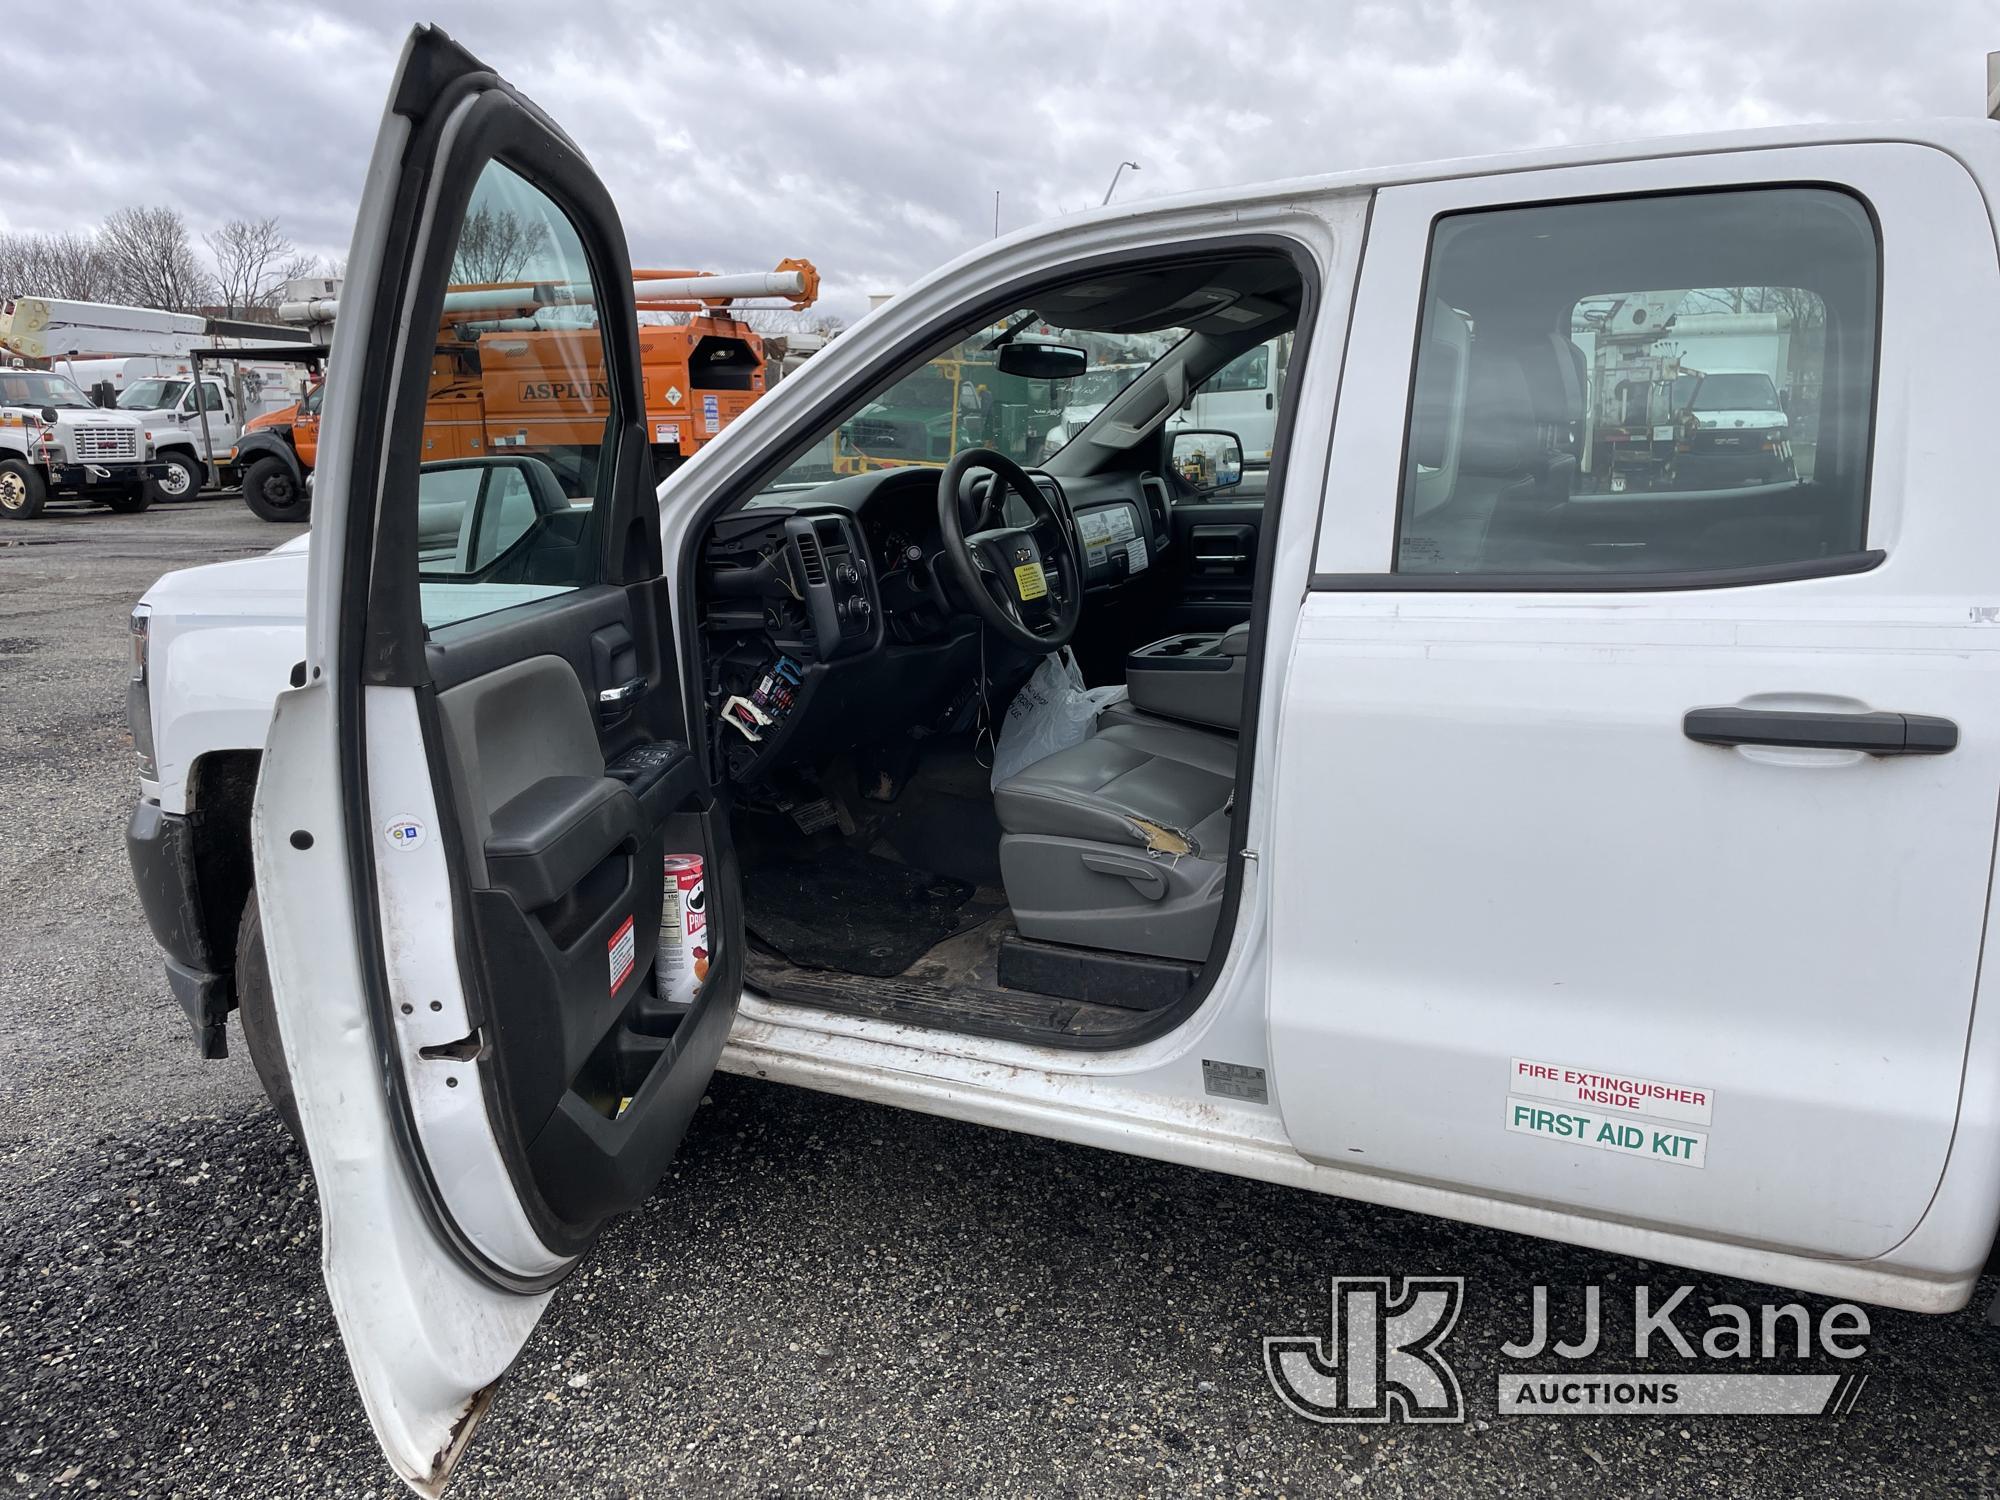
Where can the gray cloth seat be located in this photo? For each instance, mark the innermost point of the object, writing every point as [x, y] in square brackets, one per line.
[1122, 841]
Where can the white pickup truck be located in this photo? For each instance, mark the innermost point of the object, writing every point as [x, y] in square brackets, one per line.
[1614, 868]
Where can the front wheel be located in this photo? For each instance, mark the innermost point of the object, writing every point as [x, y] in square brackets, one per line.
[23, 491]
[272, 492]
[131, 502]
[258, 1011]
[182, 481]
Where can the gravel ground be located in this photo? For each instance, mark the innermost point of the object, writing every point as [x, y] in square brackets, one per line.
[825, 1297]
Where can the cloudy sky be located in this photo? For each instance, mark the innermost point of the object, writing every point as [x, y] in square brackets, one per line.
[871, 138]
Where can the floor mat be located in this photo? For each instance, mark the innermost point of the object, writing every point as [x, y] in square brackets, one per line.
[855, 912]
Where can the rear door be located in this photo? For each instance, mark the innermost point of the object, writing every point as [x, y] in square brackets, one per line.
[469, 793]
[1637, 837]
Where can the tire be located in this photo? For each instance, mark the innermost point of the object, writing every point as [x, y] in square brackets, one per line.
[131, 502]
[258, 1012]
[23, 491]
[183, 484]
[272, 493]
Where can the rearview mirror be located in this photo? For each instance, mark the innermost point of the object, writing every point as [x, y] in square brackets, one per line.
[1042, 361]
[1209, 461]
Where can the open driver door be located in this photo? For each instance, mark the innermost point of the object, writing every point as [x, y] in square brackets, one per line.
[468, 793]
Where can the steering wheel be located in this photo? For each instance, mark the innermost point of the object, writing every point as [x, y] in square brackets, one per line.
[1024, 581]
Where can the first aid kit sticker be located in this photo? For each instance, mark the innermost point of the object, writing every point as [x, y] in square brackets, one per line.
[1675, 1144]
[623, 948]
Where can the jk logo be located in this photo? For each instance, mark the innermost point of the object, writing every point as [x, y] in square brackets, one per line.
[1381, 1358]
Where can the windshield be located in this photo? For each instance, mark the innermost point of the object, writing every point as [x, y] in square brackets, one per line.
[1746, 392]
[961, 399]
[40, 388]
[144, 395]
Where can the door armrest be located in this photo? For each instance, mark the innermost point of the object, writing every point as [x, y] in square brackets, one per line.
[546, 839]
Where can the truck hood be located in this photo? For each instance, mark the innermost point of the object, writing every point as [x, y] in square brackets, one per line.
[271, 590]
[270, 587]
[69, 416]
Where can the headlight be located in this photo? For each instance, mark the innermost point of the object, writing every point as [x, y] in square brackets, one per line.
[138, 691]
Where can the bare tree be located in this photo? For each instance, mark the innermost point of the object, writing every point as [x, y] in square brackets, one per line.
[151, 261]
[69, 266]
[496, 245]
[253, 259]
[780, 321]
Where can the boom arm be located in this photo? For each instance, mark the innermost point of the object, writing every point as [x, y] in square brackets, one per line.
[795, 282]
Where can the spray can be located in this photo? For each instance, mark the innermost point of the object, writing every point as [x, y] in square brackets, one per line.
[684, 955]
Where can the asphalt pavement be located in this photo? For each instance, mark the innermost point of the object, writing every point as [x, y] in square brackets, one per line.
[825, 1297]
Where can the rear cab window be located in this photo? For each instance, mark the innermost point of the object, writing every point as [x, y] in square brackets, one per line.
[1675, 384]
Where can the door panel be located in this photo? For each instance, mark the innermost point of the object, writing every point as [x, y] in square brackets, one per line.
[490, 745]
[1215, 557]
[1510, 889]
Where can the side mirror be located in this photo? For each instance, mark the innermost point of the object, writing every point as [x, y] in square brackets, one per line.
[1209, 461]
[471, 512]
[1042, 361]
[51, 416]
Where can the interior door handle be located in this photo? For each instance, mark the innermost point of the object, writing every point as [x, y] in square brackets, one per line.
[1875, 734]
[613, 700]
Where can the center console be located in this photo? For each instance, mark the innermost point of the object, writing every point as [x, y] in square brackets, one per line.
[1197, 678]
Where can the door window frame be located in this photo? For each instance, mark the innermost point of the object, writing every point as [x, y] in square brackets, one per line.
[497, 127]
[780, 446]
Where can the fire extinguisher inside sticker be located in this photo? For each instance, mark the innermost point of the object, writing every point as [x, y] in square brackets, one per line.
[623, 948]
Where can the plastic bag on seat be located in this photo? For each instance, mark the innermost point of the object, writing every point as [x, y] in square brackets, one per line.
[1052, 711]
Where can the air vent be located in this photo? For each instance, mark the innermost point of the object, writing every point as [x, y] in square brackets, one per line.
[810, 559]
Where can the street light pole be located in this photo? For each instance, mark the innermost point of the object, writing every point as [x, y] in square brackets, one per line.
[1114, 179]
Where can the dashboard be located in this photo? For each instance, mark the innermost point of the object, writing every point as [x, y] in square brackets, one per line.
[825, 608]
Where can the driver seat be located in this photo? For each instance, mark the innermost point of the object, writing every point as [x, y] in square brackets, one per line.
[1121, 842]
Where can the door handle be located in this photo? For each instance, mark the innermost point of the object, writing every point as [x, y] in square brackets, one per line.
[613, 701]
[1874, 734]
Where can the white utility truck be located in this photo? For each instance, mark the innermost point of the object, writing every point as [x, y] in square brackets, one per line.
[55, 443]
[1609, 867]
[141, 360]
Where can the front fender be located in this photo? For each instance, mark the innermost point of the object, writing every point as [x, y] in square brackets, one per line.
[213, 690]
[258, 444]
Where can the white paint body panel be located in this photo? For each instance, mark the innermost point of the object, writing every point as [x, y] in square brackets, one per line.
[426, 1338]
[1553, 870]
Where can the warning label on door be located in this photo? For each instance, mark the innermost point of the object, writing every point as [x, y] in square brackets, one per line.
[1602, 1132]
[1614, 1093]
[623, 946]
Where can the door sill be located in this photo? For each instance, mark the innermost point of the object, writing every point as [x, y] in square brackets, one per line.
[970, 1010]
